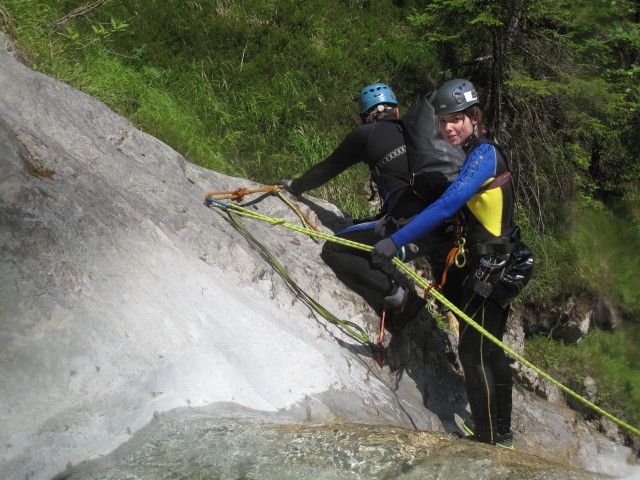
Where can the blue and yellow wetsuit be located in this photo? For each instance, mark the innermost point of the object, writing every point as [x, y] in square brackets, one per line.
[498, 268]
[488, 212]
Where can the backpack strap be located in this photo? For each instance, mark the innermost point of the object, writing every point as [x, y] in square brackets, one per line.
[497, 182]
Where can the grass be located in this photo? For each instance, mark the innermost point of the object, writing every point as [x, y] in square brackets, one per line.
[261, 93]
[610, 358]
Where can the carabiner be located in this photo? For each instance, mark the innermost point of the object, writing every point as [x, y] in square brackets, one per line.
[500, 261]
[460, 258]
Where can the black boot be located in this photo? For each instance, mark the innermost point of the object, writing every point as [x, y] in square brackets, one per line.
[503, 439]
[483, 431]
[398, 316]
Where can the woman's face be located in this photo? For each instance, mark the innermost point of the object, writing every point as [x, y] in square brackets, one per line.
[456, 128]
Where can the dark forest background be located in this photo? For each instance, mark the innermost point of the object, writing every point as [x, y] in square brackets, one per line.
[264, 89]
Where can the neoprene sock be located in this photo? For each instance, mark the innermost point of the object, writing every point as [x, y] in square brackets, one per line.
[395, 299]
[503, 408]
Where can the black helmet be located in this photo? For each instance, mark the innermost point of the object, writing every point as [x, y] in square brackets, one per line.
[455, 96]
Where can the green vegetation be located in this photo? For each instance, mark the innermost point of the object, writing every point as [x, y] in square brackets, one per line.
[261, 90]
[601, 357]
[264, 89]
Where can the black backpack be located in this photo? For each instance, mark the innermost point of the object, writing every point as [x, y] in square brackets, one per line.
[433, 163]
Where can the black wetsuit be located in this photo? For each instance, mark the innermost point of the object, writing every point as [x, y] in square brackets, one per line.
[373, 143]
[498, 268]
[381, 146]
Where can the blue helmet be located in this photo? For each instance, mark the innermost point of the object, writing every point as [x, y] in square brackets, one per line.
[372, 95]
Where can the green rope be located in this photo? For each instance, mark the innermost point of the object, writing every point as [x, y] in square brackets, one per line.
[351, 328]
[295, 209]
[441, 298]
[438, 296]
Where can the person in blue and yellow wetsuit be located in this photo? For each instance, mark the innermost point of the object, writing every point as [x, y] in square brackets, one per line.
[498, 264]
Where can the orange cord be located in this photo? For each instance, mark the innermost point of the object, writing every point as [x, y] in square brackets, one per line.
[238, 195]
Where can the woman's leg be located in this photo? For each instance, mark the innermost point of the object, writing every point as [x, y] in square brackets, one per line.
[486, 368]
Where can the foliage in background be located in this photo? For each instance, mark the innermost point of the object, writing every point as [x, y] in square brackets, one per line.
[265, 89]
[600, 357]
[261, 90]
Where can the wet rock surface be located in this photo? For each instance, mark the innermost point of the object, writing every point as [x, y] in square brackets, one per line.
[227, 441]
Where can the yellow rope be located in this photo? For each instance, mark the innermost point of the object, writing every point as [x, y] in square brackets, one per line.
[437, 295]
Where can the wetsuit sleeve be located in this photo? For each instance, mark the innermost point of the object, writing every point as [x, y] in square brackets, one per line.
[351, 151]
[479, 167]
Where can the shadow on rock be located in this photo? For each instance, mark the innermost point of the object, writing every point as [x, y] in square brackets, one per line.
[426, 354]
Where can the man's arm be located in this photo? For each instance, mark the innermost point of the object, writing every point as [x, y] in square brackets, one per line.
[348, 153]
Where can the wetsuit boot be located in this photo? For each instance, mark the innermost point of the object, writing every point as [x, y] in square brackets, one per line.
[503, 415]
[401, 307]
[504, 439]
[483, 431]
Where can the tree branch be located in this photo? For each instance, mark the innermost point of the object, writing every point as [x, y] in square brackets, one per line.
[475, 61]
[78, 12]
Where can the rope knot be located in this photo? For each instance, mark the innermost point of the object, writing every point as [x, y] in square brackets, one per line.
[239, 194]
[276, 221]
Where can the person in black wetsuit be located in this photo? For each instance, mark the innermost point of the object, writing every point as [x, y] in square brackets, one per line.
[499, 265]
[380, 144]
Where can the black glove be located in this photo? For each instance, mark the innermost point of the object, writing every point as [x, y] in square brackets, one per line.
[287, 185]
[384, 251]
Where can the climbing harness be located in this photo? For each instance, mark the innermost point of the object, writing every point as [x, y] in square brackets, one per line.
[458, 254]
[358, 333]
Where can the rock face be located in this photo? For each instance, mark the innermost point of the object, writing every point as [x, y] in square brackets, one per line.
[574, 317]
[123, 295]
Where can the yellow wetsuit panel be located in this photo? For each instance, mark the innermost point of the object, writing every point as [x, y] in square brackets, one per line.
[487, 208]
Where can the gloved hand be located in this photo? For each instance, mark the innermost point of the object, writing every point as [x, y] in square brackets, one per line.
[287, 185]
[384, 251]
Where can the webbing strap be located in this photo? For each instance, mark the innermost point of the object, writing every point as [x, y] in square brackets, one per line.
[497, 182]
